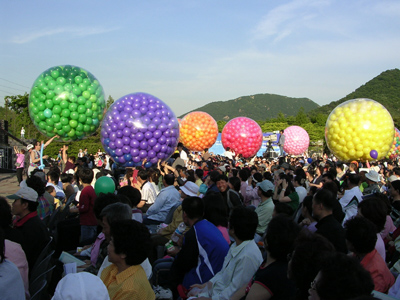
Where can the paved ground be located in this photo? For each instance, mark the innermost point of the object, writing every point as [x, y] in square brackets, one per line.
[8, 184]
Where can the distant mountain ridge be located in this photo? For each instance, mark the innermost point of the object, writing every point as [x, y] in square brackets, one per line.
[384, 88]
[256, 107]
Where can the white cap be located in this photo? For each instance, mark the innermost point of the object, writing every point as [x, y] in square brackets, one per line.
[190, 188]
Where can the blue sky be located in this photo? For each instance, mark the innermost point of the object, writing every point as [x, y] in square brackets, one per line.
[189, 53]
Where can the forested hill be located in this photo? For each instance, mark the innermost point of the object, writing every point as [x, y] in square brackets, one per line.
[384, 88]
[257, 107]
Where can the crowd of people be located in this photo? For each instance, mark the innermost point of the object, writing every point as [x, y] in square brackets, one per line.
[205, 226]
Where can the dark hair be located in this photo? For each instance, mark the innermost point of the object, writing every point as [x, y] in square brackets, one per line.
[329, 175]
[102, 201]
[132, 239]
[86, 175]
[131, 193]
[169, 179]
[2, 246]
[307, 203]
[199, 173]
[154, 174]
[116, 211]
[125, 200]
[66, 178]
[235, 181]
[373, 210]
[221, 177]
[281, 234]
[331, 186]
[337, 272]
[310, 251]
[54, 176]
[213, 176]
[326, 198]
[193, 207]
[257, 177]
[32, 205]
[143, 174]
[244, 222]
[215, 209]
[37, 184]
[361, 233]
[49, 189]
[354, 179]
[283, 208]
[244, 174]
[5, 213]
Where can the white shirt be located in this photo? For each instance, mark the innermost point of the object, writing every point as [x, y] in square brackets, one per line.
[184, 156]
[240, 264]
[302, 192]
[350, 210]
[149, 193]
[228, 154]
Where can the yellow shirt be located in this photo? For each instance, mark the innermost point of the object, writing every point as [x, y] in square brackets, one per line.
[129, 284]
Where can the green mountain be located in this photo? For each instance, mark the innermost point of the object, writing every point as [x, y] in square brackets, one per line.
[384, 88]
[256, 107]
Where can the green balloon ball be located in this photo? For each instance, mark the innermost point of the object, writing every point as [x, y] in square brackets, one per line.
[66, 128]
[86, 94]
[65, 113]
[57, 109]
[41, 116]
[49, 103]
[104, 185]
[64, 121]
[64, 104]
[71, 133]
[82, 118]
[79, 127]
[55, 73]
[50, 122]
[48, 113]
[81, 109]
[55, 118]
[74, 115]
[78, 79]
[58, 126]
[61, 80]
[81, 100]
[86, 128]
[41, 106]
[42, 125]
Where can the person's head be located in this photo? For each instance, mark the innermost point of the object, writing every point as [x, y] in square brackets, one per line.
[130, 242]
[310, 252]
[192, 210]
[72, 159]
[215, 209]
[143, 175]
[189, 189]
[66, 178]
[36, 183]
[51, 190]
[256, 178]
[5, 213]
[86, 175]
[328, 177]
[265, 189]
[168, 179]
[280, 236]
[281, 131]
[102, 201]
[25, 201]
[299, 181]
[360, 235]
[353, 180]
[243, 223]
[244, 174]
[374, 210]
[53, 177]
[131, 193]
[234, 183]
[112, 213]
[282, 208]
[199, 173]
[341, 277]
[222, 183]
[323, 203]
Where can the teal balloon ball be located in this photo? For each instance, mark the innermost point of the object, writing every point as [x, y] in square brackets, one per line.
[104, 185]
[63, 91]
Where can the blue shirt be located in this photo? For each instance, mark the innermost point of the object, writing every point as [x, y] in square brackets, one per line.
[11, 284]
[166, 199]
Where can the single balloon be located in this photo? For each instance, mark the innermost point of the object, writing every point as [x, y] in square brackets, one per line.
[104, 185]
[71, 98]
[356, 127]
[243, 136]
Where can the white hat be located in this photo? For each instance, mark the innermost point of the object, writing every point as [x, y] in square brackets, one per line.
[190, 188]
[81, 286]
[29, 147]
[373, 176]
[25, 193]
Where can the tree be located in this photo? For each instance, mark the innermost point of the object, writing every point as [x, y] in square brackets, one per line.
[110, 101]
[301, 117]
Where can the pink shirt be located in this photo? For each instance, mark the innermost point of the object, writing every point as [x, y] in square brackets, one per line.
[20, 160]
[225, 234]
[389, 227]
[15, 254]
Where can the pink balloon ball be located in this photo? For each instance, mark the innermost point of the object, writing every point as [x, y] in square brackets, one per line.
[296, 140]
[243, 136]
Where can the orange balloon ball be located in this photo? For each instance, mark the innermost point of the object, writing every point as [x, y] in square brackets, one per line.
[198, 130]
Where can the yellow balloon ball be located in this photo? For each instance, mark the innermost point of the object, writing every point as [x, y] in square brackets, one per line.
[356, 127]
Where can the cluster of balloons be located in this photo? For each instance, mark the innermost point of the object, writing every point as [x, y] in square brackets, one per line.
[67, 101]
[359, 129]
[395, 150]
[139, 127]
[296, 140]
[243, 136]
[198, 130]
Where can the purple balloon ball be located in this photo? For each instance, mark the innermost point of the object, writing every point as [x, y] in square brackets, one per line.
[118, 152]
[139, 136]
[111, 144]
[126, 131]
[126, 149]
[152, 142]
[142, 154]
[126, 140]
[136, 159]
[134, 144]
[135, 152]
[119, 143]
[143, 145]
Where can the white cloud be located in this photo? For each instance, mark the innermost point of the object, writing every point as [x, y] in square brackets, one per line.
[282, 20]
[72, 31]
